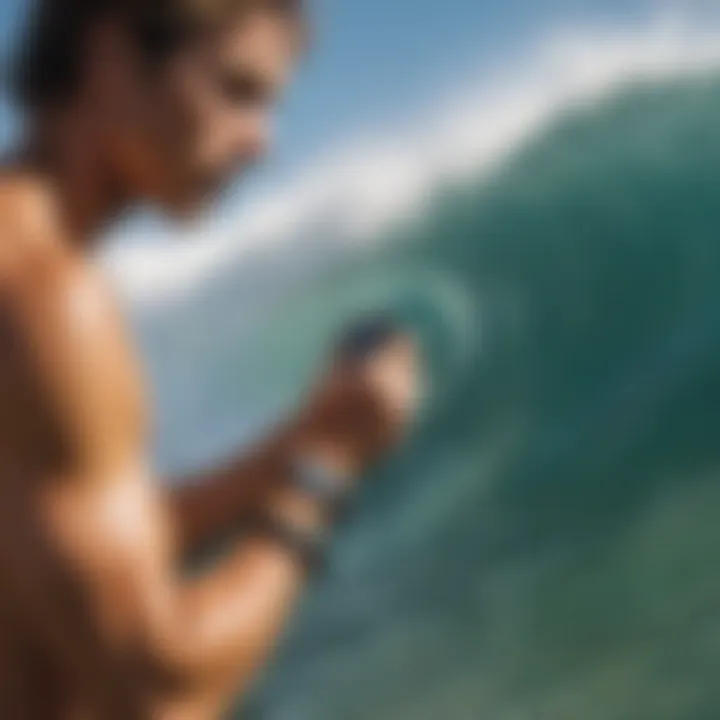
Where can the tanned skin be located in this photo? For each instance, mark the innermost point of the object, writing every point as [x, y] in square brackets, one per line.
[97, 619]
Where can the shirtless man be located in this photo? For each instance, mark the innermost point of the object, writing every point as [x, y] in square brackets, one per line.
[126, 101]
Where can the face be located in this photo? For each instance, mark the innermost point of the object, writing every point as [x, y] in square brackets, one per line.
[181, 131]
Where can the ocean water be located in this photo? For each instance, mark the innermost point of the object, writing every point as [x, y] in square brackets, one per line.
[547, 545]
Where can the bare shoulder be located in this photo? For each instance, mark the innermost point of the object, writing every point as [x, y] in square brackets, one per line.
[66, 368]
[32, 242]
[26, 207]
[43, 280]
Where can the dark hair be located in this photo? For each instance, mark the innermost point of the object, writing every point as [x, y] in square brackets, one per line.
[50, 60]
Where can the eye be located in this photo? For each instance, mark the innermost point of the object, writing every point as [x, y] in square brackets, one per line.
[243, 89]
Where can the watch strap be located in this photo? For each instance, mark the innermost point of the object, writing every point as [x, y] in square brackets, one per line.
[307, 545]
[315, 478]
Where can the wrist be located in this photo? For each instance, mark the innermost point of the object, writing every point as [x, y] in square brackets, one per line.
[291, 506]
[303, 542]
[299, 514]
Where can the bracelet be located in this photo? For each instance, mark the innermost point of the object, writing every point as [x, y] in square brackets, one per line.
[314, 478]
[309, 475]
[308, 546]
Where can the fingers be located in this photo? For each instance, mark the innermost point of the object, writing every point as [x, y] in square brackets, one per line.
[394, 372]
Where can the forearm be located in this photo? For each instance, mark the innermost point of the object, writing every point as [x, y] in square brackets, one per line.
[228, 622]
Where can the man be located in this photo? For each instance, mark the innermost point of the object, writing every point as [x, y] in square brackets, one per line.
[163, 101]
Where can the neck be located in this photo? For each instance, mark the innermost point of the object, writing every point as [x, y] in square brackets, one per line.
[66, 148]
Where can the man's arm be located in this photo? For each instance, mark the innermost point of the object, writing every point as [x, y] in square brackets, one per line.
[344, 414]
[168, 645]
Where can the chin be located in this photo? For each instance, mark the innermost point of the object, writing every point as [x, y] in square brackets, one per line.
[183, 207]
[187, 203]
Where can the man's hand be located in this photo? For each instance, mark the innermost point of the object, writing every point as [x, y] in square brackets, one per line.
[394, 374]
[366, 402]
[357, 412]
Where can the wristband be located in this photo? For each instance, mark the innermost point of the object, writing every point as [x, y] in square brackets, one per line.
[307, 545]
[314, 478]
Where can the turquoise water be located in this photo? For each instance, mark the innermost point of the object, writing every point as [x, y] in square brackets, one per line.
[547, 547]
